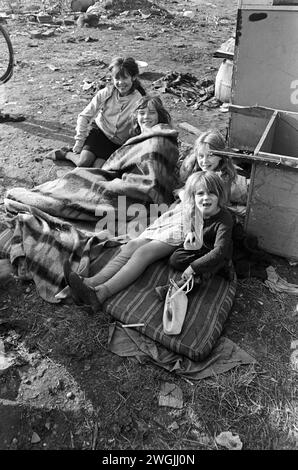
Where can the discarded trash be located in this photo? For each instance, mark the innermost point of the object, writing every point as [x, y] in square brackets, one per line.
[44, 18]
[90, 39]
[87, 85]
[35, 34]
[5, 360]
[142, 66]
[139, 38]
[35, 439]
[294, 355]
[170, 395]
[189, 14]
[87, 19]
[275, 283]
[228, 440]
[52, 67]
[191, 90]
[173, 426]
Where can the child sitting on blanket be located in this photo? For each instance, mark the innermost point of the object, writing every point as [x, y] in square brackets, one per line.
[201, 158]
[201, 222]
[109, 112]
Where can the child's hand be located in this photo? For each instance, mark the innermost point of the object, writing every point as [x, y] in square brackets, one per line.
[190, 238]
[77, 147]
[189, 272]
[191, 242]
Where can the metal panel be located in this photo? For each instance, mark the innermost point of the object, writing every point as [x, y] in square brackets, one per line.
[265, 61]
[273, 209]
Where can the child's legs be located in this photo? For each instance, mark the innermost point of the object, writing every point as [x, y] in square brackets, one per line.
[143, 257]
[116, 263]
[99, 144]
[83, 159]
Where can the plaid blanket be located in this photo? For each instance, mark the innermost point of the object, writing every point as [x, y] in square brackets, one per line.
[142, 171]
[60, 219]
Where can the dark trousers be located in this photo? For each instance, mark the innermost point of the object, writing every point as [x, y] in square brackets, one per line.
[99, 144]
[182, 258]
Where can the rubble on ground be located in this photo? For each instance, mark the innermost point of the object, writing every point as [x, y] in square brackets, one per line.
[192, 91]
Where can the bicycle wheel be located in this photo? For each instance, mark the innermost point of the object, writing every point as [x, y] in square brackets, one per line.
[6, 56]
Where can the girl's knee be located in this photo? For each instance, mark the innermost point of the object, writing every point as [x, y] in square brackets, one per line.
[133, 245]
[86, 159]
[177, 261]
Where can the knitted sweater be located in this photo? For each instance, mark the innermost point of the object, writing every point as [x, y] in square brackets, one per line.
[217, 240]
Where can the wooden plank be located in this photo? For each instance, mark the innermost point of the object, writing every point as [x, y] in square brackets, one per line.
[188, 127]
[266, 141]
[261, 157]
[223, 55]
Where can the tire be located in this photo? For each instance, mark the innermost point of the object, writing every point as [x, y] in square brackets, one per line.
[6, 56]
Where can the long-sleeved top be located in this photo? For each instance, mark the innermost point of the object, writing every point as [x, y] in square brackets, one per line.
[217, 240]
[111, 112]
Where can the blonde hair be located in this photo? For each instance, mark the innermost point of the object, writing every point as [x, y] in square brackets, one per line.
[215, 140]
[211, 182]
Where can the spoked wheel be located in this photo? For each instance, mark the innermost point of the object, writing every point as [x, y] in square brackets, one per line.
[6, 56]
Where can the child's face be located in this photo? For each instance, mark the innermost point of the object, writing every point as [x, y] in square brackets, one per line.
[206, 202]
[123, 83]
[147, 117]
[206, 160]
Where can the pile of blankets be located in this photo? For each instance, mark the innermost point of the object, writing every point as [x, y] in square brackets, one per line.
[56, 220]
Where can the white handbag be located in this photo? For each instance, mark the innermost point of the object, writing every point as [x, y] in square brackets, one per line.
[175, 307]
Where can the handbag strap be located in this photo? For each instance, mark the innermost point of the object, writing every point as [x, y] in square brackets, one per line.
[189, 283]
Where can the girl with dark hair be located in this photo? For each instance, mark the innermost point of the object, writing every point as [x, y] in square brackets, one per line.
[109, 114]
[149, 111]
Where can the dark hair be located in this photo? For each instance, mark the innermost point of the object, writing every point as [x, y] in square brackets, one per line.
[215, 140]
[163, 115]
[121, 67]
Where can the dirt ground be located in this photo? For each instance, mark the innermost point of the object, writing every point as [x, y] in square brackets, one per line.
[65, 390]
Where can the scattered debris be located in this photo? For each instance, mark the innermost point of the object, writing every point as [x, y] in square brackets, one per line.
[6, 360]
[294, 355]
[44, 18]
[275, 283]
[92, 62]
[170, 395]
[228, 440]
[187, 87]
[35, 439]
[189, 14]
[90, 39]
[88, 20]
[173, 426]
[52, 67]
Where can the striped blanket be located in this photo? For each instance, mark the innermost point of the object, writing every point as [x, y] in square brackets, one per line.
[60, 219]
[209, 305]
